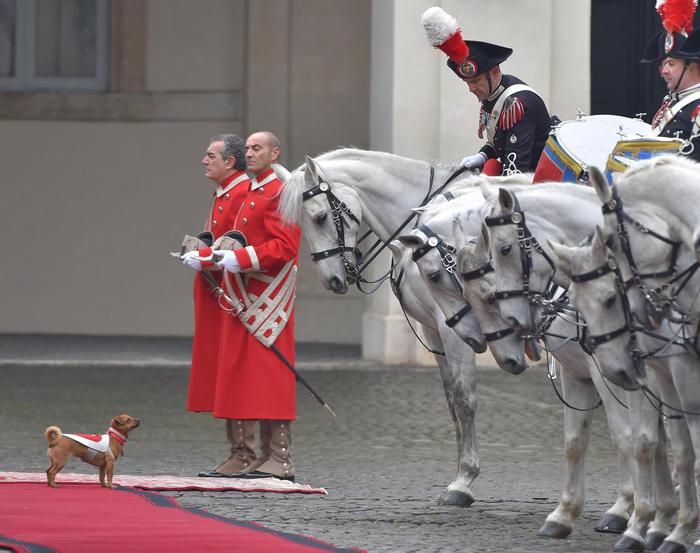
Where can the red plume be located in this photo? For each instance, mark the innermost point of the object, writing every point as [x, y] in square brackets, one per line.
[444, 33]
[677, 15]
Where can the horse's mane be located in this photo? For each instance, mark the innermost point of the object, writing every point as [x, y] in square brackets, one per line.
[470, 183]
[661, 163]
[290, 206]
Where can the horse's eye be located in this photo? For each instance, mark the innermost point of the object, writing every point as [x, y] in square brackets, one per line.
[491, 299]
[609, 302]
[434, 276]
[505, 250]
[320, 219]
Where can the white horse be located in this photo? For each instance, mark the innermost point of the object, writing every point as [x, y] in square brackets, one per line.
[521, 230]
[329, 198]
[580, 379]
[600, 275]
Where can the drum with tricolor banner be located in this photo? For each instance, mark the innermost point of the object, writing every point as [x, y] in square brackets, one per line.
[628, 152]
[574, 146]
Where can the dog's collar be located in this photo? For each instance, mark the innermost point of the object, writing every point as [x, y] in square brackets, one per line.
[114, 433]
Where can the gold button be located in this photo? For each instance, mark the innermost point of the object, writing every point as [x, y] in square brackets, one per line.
[252, 205]
[213, 222]
[245, 221]
[220, 209]
[227, 196]
[261, 190]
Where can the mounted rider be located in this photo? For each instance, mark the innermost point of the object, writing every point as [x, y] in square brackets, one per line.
[678, 57]
[513, 116]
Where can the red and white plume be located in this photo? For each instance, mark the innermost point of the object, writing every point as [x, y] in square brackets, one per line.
[444, 33]
[677, 15]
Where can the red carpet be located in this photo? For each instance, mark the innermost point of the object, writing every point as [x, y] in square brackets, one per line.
[172, 483]
[82, 518]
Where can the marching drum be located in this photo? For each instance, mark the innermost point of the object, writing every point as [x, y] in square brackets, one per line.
[627, 152]
[574, 146]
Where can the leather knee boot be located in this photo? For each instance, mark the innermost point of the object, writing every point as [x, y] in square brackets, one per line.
[241, 436]
[275, 443]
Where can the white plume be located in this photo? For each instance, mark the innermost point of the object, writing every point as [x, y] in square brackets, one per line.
[438, 25]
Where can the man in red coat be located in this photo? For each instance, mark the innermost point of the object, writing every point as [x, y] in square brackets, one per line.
[252, 383]
[225, 164]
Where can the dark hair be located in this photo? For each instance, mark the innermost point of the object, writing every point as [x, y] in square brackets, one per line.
[234, 146]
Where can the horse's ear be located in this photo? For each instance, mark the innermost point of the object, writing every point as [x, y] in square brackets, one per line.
[563, 257]
[696, 241]
[397, 250]
[310, 173]
[485, 238]
[601, 242]
[414, 239]
[458, 232]
[486, 191]
[281, 172]
[600, 184]
[506, 199]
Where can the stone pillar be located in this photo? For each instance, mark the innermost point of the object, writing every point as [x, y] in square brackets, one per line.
[404, 105]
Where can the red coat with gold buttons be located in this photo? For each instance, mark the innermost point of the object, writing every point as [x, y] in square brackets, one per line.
[208, 316]
[251, 381]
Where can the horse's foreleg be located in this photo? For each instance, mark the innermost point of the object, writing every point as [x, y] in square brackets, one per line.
[459, 382]
[577, 429]
[683, 446]
[644, 425]
[666, 499]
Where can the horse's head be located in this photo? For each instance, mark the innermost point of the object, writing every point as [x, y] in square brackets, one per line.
[597, 290]
[436, 263]
[478, 286]
[520, 270]
[330, 216]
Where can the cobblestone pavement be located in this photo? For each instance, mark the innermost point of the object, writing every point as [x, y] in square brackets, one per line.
[384, 460]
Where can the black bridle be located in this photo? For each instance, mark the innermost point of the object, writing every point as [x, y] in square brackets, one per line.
[657, 298]
[339, 210]
[528, 246]
[354, 269]
[449, 263]
[478, 273]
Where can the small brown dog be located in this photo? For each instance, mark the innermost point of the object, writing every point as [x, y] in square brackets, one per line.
[99, 450]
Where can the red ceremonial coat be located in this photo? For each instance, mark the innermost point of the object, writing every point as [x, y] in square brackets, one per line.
[252, 383]
[208, 316]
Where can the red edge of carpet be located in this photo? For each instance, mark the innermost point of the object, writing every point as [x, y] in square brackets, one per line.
[87, 508]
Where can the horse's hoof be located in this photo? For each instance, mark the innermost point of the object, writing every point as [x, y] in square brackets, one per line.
[671, 547]
[611, 524]
[628, 544]
[554, 530]
[456, 498]
[654, 539]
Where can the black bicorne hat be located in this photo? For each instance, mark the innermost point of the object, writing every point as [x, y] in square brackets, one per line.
[482, 57]
[677, 19]
[691, 48]
[666, 45]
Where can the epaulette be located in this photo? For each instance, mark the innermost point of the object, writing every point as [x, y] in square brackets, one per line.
[512, 114]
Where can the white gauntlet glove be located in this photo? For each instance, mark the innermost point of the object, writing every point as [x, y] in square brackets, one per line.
[228, 260]
[475, 161]
[191, 259]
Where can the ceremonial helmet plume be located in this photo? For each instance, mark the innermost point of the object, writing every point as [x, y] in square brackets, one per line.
[444, 33]
[467, 58]
[677, 19]
[677, 15]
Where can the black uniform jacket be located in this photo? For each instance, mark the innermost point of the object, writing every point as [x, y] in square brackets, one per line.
[522, 129]
[685, 124]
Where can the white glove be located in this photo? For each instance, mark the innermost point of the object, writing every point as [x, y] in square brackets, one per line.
[475, 161]
[191, 259]
[228, 260]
